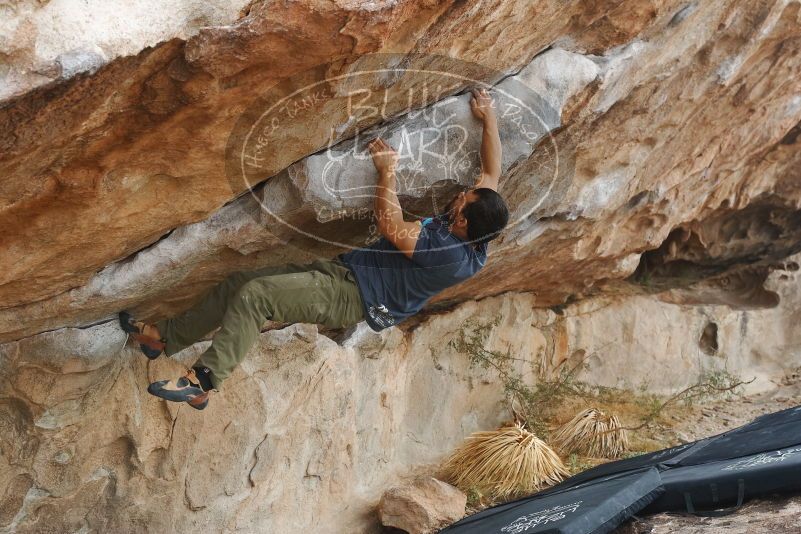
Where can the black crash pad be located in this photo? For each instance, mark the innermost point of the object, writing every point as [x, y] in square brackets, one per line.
[595, 507]
[712, 476]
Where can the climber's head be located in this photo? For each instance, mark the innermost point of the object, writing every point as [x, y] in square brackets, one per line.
[478, 215]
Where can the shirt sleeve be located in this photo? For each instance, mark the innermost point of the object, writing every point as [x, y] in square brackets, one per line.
[436, 247]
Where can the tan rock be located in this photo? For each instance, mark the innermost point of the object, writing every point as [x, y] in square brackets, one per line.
[677, 142]
[45, 41]
[307, 424]
[631, 171]
[421, 506]
[137, 148]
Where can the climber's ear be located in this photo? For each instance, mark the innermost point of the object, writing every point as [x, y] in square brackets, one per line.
[460, 221]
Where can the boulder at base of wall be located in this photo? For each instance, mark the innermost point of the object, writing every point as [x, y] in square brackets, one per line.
[421, 506]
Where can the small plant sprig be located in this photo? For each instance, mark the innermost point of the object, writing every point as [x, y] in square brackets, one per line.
[537, 402]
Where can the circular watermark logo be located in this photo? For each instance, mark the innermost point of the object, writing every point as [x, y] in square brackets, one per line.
[302, 149]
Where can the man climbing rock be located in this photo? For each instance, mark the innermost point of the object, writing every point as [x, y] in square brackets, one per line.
[382, 284]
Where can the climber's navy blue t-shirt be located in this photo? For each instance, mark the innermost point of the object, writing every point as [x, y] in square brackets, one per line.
[394, 287]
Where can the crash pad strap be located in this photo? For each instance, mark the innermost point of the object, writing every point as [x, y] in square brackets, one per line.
[688, 501]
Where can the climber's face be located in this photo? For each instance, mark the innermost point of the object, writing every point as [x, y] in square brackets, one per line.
[457, 205]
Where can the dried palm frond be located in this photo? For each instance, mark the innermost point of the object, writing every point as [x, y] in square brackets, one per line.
[592, 433]
[503, 463]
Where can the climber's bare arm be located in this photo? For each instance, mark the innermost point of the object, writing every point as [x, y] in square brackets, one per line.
[388, 212]
[481, 105]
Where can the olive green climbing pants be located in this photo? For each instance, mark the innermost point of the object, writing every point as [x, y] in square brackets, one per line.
[322, 292]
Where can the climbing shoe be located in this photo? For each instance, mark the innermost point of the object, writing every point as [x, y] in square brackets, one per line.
[151, 347]
[186, 388]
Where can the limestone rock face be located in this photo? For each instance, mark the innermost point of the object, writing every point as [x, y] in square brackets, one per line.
[422, 506]
[143, 137]
[45, 41]
[333, 183]
[655, 192]
[663, 117]
[309, 433]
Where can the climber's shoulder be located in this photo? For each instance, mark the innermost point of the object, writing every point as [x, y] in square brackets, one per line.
[487, 181]
[437, 247]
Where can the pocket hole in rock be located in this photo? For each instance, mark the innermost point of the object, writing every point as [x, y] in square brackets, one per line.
[709, 339]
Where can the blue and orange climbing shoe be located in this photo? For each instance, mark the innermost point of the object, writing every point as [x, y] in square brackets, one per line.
[150, 346]
[186, 388]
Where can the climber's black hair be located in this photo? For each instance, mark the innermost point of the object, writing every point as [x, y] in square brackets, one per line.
[486, 216]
